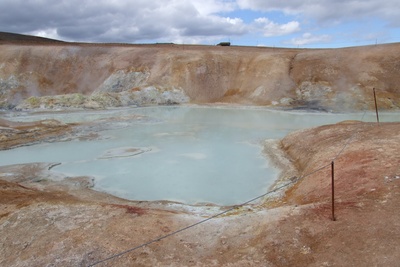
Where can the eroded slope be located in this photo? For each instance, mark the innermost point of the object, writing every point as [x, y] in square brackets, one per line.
[98, 76]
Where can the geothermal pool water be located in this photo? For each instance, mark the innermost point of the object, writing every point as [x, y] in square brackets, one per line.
[185, 154]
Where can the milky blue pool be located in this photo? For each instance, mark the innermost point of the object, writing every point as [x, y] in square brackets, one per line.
[185, 154]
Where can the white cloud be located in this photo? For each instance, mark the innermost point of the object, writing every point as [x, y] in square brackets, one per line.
[308, 38]
[207, 7]
[120, 20]
[47, 33]
[325, 11]
[270, 28]
[183, 21]
[271, 5]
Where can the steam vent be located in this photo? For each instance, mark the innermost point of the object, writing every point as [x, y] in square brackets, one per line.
[198, 155]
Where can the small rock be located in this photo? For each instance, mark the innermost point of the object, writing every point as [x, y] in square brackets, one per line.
[305, 250]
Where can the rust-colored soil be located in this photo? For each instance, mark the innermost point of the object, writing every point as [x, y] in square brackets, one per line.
[45, 223]
[47, 219]
[323, 79]
[13, 134]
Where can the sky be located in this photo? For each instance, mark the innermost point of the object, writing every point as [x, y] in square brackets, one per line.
[274, 23]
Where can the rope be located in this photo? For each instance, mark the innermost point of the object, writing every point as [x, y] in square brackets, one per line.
[192, 225]
[348, 140]
[228, 210]
[337, 155]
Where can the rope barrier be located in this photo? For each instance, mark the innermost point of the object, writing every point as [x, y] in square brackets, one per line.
[348, 140]
[337, 155]
[230, 209]
[192, 225]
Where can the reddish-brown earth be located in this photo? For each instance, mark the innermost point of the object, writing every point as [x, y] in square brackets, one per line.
[46, 220]
[37, 74]
[46, 223]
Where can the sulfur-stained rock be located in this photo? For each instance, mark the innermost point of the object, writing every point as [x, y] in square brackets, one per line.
[70, 75]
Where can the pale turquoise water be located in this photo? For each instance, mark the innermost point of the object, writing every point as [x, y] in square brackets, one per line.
[191, 154]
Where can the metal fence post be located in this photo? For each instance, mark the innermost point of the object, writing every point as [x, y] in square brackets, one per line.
[376, 107]
[333, 190]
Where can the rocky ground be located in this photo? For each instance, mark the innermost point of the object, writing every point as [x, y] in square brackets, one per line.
[47, 220]
[13, 134]
[64, 223]
[58, 75]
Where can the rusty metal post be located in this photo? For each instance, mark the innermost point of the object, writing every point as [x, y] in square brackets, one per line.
[333, 190]
[376, 107]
